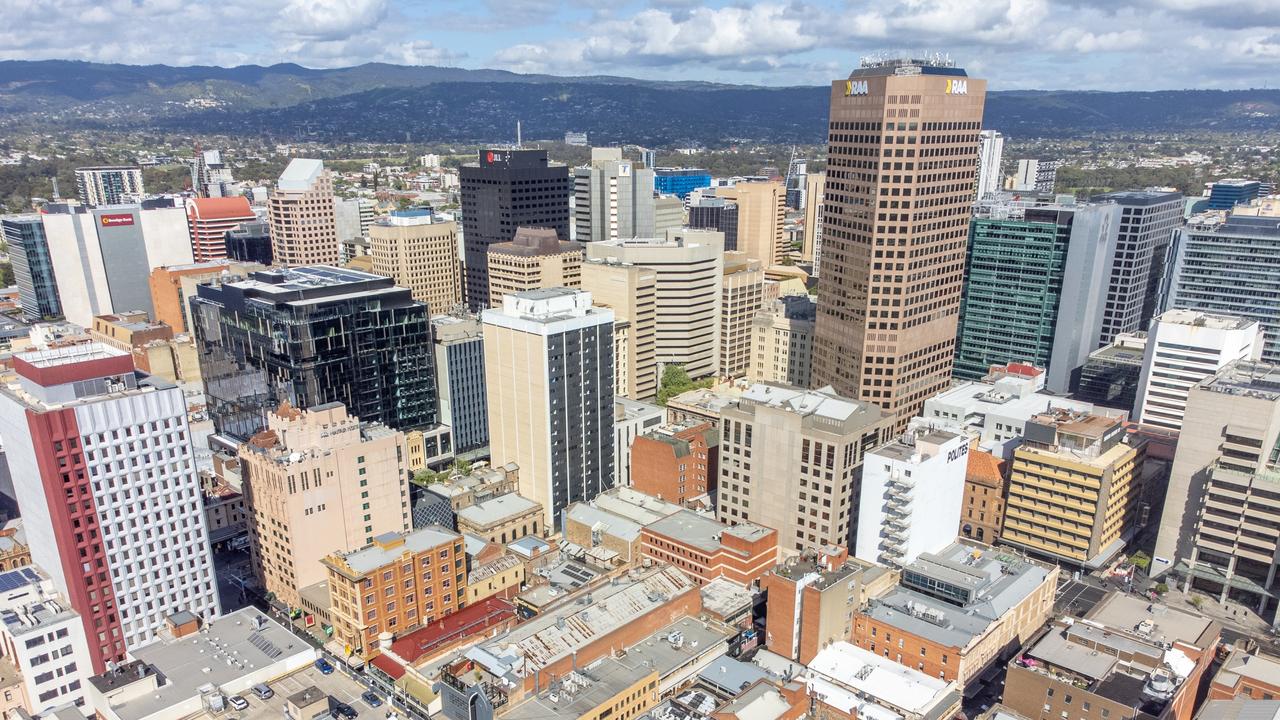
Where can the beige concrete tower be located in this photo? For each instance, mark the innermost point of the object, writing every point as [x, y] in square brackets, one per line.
[762, 210]
[535, 258]
[903, 139]
[631, 291]
[814, 185]
[742, 296]
[303, 217]
[319, 481]
[420, 253]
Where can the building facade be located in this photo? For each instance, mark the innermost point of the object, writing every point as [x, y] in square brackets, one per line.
[73, 419]
[822, 434]
[911, 495]
[1183, 348]
[676, 463]
[1030, 292]
[613, 198]
[716, 213]
[173, 285]
[109, 184]
[742, 295]
[310, 336]
[502, 191]
[1225, 266]
[1216, 531]
[990, 157]
[549, 373]
[319, 481]
[886, 334]
[680, 181]
[762, 210]
[459, 353]
[32, 267]
[782, 341]
[688, 267]
[631, 291]
[1075, 488]
[398, 582]
[419, 252]
[1148, 221]
[303, 216]
[534, 258]
[44, 637]
[210, 218]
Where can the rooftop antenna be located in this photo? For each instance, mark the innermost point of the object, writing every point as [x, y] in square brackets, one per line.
[519, 144]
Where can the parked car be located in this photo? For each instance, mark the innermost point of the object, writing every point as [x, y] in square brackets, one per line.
[263, 691]
[324, 666]
[238, 702]
[370, 698]
[344, 710]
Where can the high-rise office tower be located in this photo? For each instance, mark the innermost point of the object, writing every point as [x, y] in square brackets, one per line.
[502, 191]
[210, 218]
[103, 470]
[689, 269]
[210, 177]
[1228, 193]
[102, 256]
[319, 481]
[1226, 265]
[1031, 291]
[613, 198]
[903, 161]
[419, 251]
[459, 349]
[303, 215]
[631, 291]
[990, 155]
[1148, 220]
[1075, 487]
[742, 295]
[534, 258]
[549, 371]
[109, 184]
[762, 210]
[310, 336]
[774, 429]
[32, 266]
[1036, 176]
[250, 242]
[1183, 348]
[1217, 529]
[782, 341]
[815, 185]
[710, 212]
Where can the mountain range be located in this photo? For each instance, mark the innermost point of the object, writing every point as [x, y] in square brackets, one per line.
[393, 103]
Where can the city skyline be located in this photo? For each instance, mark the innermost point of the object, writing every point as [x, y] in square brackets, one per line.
[1017, 44]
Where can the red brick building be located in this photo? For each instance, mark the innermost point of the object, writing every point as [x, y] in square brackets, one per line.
[982, 515]
[1248, 676]
[706, 549]
[675, 462]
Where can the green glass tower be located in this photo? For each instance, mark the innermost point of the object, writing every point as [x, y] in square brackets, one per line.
[1031, 292]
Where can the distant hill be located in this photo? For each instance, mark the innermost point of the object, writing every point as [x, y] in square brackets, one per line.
[380, 102]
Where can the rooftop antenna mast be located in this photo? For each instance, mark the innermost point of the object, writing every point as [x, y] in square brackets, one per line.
[519, 144]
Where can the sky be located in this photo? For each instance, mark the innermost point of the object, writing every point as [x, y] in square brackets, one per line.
[1015, 44]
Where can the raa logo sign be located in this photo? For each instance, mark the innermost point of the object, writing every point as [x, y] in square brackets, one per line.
[957, 86]
[855, 87]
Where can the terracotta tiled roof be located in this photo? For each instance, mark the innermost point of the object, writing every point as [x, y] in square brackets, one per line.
[985, 468]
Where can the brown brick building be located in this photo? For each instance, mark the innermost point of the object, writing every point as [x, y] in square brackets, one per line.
[707, 549]
[985, 482]
[675, 462]
[399, 582]
[1243, 675]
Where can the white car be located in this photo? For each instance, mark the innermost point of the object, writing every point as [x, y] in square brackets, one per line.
[238, 702]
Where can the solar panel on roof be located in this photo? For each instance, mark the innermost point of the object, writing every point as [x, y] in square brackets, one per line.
[15, 579]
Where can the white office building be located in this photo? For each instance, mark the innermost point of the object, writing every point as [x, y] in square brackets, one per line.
[1185, 347]
[132, 547]
[44, 639]
[990, 155]
[912, 493]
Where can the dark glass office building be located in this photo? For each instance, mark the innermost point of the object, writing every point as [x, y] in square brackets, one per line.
[250, 242]
[460, 380]
[309, 336]
[713, 213]
[504, 190]
[32, 267]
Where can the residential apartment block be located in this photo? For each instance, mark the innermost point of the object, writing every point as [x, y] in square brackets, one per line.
[677, 463]
[302, 214]
[782, 341]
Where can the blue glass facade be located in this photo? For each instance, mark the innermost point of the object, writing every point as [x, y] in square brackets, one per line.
[32, 267]
[468, 409]
[1226, 194]
[680, 181]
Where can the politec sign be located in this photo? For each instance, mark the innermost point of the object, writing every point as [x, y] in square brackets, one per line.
[957, 86]
[115, 220]
[855, 87]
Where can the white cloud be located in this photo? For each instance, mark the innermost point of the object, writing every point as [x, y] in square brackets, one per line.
[1083, 41]
[331, 19]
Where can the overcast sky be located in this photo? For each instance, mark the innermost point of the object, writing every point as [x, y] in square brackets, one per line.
[1016, 44]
